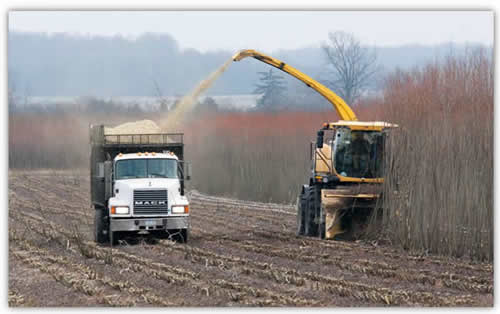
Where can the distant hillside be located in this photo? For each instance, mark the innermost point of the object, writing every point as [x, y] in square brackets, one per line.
[154, 65]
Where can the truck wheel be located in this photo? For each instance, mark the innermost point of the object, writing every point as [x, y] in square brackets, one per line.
[101, 234]
[179, 235]
[183, 236]
[311, 227]
[114, 237]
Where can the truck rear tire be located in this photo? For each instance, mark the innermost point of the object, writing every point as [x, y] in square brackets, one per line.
[101, 233]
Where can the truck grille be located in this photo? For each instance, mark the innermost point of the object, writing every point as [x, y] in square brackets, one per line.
[150, 202]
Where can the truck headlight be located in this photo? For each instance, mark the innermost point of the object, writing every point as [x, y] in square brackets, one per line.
[180, 209]
[119, 210]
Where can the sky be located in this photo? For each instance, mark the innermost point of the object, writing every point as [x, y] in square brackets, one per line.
[268, 30]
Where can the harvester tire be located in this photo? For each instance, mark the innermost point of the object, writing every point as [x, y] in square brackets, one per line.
[301, 210]
[311, 227]
[101, 234]
[321, 229]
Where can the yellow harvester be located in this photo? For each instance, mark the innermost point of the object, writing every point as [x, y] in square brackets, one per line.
[347, 166]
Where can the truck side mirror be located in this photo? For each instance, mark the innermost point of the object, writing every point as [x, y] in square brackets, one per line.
[319, 140]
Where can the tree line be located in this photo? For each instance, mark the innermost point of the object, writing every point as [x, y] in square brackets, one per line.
[154, 65]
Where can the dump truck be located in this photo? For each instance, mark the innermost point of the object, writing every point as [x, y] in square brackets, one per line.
[137, 185]
[347, 168]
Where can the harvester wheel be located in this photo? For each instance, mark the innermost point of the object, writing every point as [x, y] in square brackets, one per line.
[101, 234]
[301, 210]
[312, 214]
[321, 229]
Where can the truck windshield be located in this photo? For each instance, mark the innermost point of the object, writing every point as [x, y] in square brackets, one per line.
[358, 154]
[145, 168]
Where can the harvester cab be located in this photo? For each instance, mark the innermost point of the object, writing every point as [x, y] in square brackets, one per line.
[346, 176]
[347, 166]
[356, 149]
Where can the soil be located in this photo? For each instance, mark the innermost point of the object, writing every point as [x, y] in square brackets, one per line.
[239, 254]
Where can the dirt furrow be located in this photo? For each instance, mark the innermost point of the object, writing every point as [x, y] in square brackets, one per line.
[288, 237]
[281, 237]
[239, 253]
[368, 267]
[317, 281]
[83, 278]
[92, 251]
[194, 195]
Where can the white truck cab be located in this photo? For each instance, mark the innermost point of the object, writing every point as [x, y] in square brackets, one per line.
[147, 194]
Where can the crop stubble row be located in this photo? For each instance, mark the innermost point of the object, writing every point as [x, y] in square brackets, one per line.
[230, 247]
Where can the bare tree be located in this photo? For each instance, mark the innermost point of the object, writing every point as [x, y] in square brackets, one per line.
[352, 66]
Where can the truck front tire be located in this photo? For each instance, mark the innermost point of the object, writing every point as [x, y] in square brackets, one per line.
[180, 235]
[183, 236]
[114, 237]
[101, 234]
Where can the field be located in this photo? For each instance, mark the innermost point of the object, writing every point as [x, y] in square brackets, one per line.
[435, 247]
[240, 253]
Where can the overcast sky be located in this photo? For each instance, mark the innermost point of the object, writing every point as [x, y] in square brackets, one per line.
[268, 30]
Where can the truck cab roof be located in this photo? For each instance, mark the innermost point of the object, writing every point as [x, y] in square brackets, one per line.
[146, 155]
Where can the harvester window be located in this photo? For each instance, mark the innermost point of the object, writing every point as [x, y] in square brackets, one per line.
[146, 168]
[358, 154]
